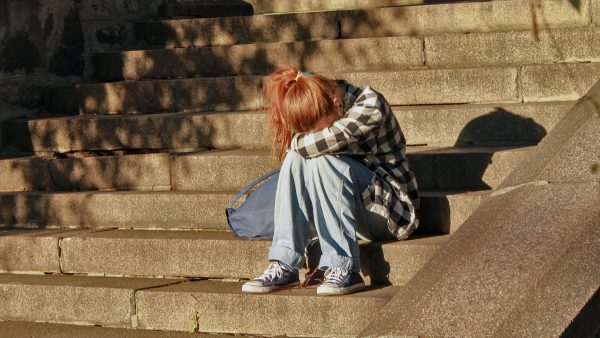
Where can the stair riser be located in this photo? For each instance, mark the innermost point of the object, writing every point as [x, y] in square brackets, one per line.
[405, 87]
[479, 125]
[210, 94]
[321, 56]
[445, 171]
[440, 214]
[90, 307]
[131, 172]
[160, 172]
[171, 304]
[395, 21]
[61, 300]
[394, 264]
[336, 56]
[237, 313]
[239, 30]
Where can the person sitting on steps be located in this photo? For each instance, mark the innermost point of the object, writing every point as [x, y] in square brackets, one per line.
[344, 175]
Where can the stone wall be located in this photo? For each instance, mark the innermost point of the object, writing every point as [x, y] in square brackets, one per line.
[49, 42]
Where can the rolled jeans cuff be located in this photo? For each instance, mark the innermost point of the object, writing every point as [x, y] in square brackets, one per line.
[286, 255]
[337, 261]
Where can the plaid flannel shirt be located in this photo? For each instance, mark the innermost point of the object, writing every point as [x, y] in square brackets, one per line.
[369, 132]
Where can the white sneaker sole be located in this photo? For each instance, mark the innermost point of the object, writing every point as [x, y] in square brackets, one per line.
[249, 288]
[325, 290]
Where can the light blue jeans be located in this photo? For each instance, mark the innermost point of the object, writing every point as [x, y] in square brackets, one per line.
[323, 194]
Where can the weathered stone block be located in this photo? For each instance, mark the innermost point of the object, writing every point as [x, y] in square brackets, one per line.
[33, 251]
[508, 252]
[570, 152]
[71, 299]
[26, 251]
[461, 125]
[221, 307]
[238, 30]
[479, 125]
[441, 213]
[25, 174]
[412, 87]
[550, 46]
[129, 209]
[211, 171]
[315, 56]
[491, 16]
[473, 168]
[581, 159]
[397, 262]
[11, 329]
[132, 172]
[220, 255]
[201, 94]
[559, 82]
[191, 132]
[164, 253]
[445, 213]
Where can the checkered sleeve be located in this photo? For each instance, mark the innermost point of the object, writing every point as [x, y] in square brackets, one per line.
[358, 125]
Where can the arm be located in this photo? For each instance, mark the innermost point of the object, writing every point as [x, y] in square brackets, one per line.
[358, 125]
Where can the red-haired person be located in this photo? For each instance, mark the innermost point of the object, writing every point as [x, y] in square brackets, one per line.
[344, 175]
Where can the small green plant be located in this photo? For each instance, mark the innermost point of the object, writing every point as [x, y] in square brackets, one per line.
[576, 4]
[194, 326]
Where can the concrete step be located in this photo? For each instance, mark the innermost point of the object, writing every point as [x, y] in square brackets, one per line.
[352, 55]
[435, 168]
[33, 251]
[15, 329]
[223, 308]
[209, 306]
[401, 87]
[73, 300]
[503, 124]
[442, 212]
[468, 17]
[198, 254]
[261, 58]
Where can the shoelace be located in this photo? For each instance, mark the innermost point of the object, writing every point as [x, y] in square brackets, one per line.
[335, 275]
[274, 270]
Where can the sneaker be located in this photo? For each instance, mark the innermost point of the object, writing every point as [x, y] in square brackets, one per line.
[277, 276]
[340, 282]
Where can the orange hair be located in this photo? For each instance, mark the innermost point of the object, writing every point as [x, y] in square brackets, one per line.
[295, 102]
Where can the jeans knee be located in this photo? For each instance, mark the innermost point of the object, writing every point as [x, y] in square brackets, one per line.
[293, 160]
[333, 164]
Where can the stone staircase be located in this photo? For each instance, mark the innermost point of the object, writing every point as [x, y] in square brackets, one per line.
[112, 210]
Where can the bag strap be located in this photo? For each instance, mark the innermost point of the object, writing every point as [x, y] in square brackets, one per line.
[250, 186]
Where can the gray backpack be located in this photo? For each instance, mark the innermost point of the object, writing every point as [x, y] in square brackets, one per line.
[254, 219]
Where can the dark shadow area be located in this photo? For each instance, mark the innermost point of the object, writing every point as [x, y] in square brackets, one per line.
[586, 323]
[373, 263]
[462, 168]
[501, 127]
[206, 9]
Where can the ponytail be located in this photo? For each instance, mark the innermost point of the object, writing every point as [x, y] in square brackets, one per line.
[295, 102]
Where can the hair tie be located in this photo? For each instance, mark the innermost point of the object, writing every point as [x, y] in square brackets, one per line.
[298, 75]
